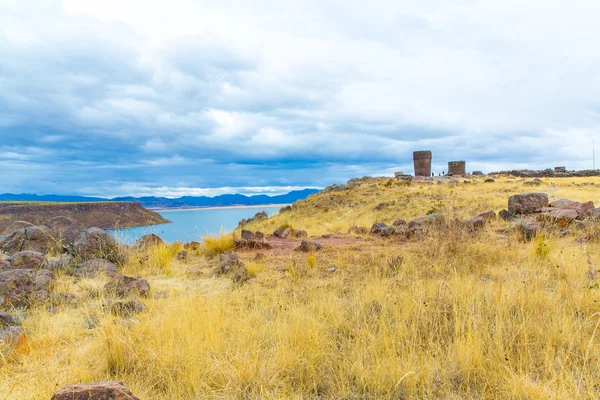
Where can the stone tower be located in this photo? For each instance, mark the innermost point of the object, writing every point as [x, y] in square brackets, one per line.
[422, 161]
[456, 168]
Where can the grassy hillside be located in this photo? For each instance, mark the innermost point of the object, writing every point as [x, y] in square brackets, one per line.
[368, 201]
[455, 314]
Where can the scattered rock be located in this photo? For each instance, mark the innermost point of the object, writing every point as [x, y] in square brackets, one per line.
[11, 334]
[259, 235]
[28, 259]
[489, 180]
[285, 209]
[300, 234]
[251, 244]
[14, 242]
[7, 319]
[477, 173]
[431, 219]
[561, 203]
[20, 287]
[377, 227]
[399, 222]
[95, 391]
[246, 234]
[563, 217]
[182, 255]
[147, 241]
[476, 223]
[65, 230]
[308, 246]
[286, 232]
[64, 261]
[532, 183]
[527, 203]
[488, 215]
[505, 215]
[96, 266]
[192, 246]
[124, 286]
[194, 273]
[528, 230]
[230, 264]
[124, 308]
[96, 243]
[357, 230]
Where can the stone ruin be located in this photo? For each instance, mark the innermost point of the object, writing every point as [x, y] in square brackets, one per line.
[422, 162]
[456, 168]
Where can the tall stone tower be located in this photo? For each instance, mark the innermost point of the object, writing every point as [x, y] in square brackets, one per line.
[422, 161]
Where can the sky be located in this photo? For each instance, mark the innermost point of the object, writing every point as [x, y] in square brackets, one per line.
[184, 97]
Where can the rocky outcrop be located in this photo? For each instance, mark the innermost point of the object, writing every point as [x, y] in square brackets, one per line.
[95, 391]
[256, 243]
[549, 173]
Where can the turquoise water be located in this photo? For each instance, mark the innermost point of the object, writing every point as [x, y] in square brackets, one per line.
[189, 225]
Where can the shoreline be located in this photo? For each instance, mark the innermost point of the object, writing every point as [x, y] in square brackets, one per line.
[216, 208]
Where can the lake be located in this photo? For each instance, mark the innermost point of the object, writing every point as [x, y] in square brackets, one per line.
[191, 224]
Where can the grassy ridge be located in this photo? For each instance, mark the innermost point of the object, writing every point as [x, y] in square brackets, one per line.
[453, 315]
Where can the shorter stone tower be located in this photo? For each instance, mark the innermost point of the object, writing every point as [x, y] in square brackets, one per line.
[456, 168]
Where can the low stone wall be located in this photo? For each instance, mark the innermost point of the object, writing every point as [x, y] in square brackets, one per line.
[549, 173]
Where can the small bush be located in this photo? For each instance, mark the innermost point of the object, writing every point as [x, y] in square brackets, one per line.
[217, 244]
[254, 267]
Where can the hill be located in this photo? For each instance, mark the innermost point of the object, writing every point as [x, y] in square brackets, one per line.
[105, 215]
[181, 202]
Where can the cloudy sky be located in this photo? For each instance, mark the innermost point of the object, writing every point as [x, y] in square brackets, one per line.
[138, 97]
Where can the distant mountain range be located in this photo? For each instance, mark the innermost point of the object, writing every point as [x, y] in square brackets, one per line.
[181, 202]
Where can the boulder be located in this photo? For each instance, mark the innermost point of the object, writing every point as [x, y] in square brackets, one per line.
[14, 242]
[527, 203]
[300, 234]
[182, 255]
[399, 222]
[287, 232]
[147, 241]
[39, 238]
[505, 215]
[377, 227]
[11, 334]
[488, 215]
[96, 243]
[308, 246]
[259, 235]
[124, 309]
[94, 267]
[7, 319]
[428, 220]
[64, 229]
[64, 261]
[20, 287]
[357, 230]
[563, 217]
[251, 243]
[561, 203]
[230, 264]
[528, 231]
[4, 263]
[476, 223]
[124, 286]
[28, 259]
[95, 391]
[192, 246]
[246, 234]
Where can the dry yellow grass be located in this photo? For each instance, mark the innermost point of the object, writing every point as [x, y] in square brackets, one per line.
[454, 315]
